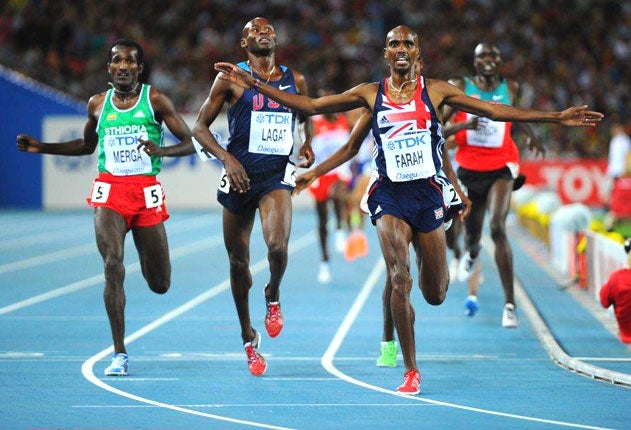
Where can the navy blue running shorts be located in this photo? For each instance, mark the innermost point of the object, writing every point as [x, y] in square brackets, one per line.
[419, 202]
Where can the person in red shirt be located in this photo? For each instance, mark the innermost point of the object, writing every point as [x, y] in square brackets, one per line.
[617, 292]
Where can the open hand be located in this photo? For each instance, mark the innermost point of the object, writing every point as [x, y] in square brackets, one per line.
[235, 74]
[580, 116]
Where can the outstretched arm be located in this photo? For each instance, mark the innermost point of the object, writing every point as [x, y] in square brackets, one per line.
[443, 93]
[362, 95]
[80, 146]
[349, 150]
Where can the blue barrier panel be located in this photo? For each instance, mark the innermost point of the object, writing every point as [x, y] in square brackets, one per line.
[23, 105]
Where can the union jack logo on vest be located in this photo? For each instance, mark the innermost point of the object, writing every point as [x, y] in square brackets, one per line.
[438, 213]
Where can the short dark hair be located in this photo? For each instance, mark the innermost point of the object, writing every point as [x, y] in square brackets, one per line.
[129, 43]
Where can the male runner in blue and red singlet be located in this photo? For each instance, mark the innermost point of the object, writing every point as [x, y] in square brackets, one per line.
[257, 174]
[406, 204]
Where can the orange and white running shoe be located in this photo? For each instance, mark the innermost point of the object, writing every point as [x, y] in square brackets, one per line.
[256, 362]
[411, 382]
[274, 319]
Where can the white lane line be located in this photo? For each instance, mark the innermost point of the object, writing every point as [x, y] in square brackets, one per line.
[87, 369]
[257, 405]
[349, 319]
[50, 257]
[176, 253]
[139, 379]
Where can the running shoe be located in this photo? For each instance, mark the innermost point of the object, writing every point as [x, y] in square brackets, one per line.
[471, 306]
[388, 357]
[466, 267]
[256, 362]
[411, 382]
[340, 241]
[119, 365]
[509, 317]
[324, 275]
[274, 319]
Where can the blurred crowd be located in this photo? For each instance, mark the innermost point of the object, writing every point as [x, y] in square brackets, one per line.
[565, 52]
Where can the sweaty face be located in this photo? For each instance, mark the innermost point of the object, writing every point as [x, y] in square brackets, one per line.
[486, 60]
[401, 49]
[123, 67]
[259, 36]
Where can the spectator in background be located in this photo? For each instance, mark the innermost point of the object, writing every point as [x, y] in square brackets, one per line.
[618, 167]
[617, 292]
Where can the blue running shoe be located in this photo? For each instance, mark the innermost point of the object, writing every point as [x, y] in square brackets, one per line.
[471, 306]
[118, 367]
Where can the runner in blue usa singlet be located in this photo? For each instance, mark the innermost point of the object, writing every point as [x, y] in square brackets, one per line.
[261, 138]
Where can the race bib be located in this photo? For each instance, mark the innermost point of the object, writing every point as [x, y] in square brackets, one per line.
[409, 156]
[122, 156]
[153, 196]
[224, 185]
[271, 133]
[489, 134]
[100, 192]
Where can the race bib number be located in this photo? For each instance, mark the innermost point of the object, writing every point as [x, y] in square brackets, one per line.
[409, 156]
[271, 133]
[224, 185]
[489, 134]
[153, 196]
[100, 192]
[290, 175]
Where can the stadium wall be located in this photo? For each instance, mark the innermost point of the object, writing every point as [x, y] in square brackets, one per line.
[61, 182]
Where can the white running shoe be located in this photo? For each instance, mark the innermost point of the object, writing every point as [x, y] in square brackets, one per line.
[509, 317]
[324, 275]
[466, 267]
[340, 241]
[119, 365]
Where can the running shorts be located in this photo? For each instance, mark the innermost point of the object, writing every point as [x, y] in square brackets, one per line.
[419, 202]
[138, 198]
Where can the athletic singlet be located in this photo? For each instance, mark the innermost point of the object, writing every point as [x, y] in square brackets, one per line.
[491, 147]
[328, 137]
[408, 136]
[119, 131]
[261, 130]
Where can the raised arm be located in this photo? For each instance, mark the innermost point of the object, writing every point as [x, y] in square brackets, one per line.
[443, 93]
[346, 152]
[362, 95]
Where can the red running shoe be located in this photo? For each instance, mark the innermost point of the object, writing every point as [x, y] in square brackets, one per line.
[411, 382]
[274, 319]
[256, 362]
